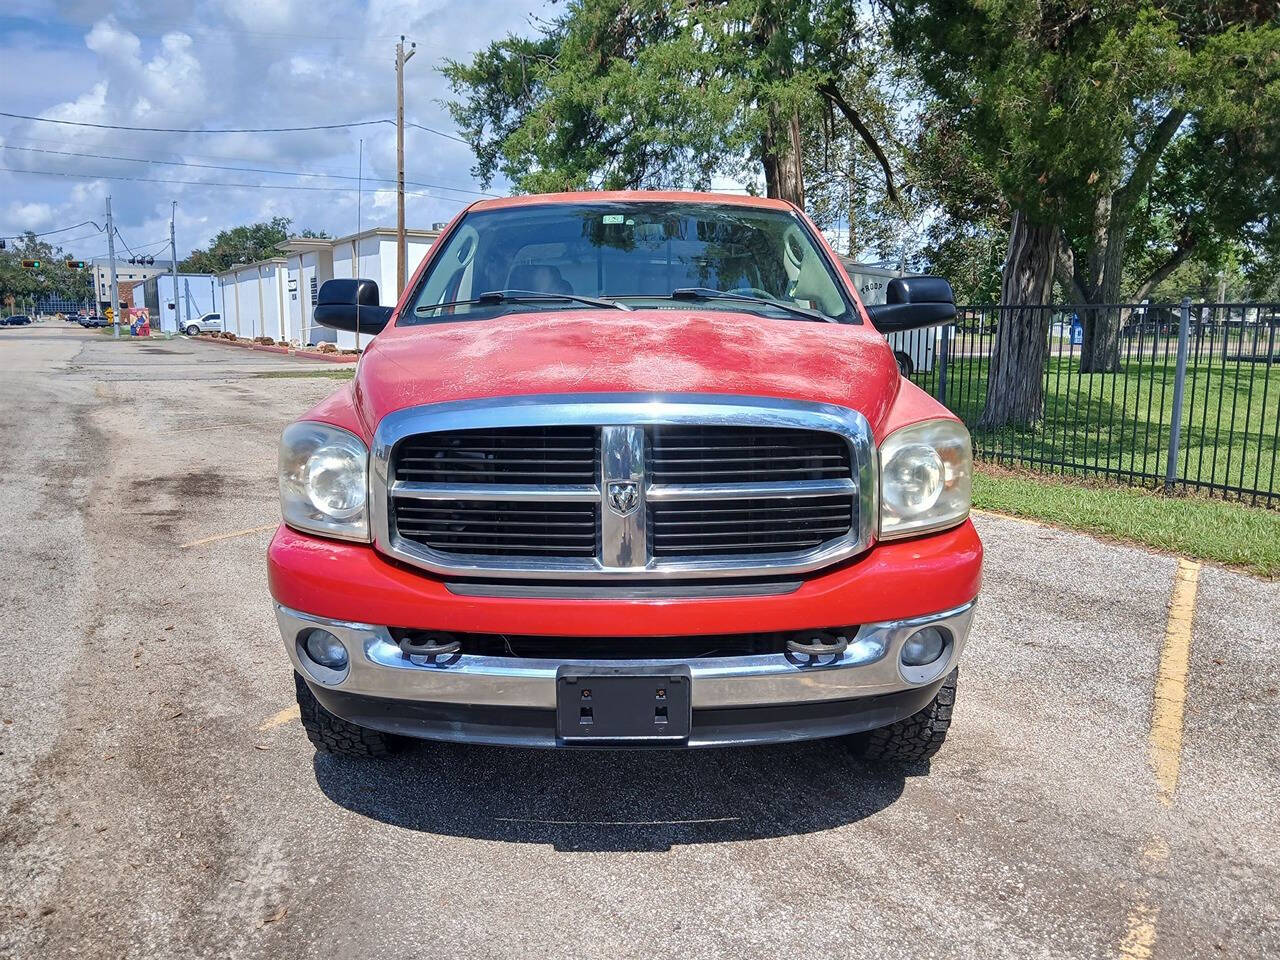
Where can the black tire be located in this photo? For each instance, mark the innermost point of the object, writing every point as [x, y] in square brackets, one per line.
[905, 366]
[915, 739]
[330, 734]
[193, 331]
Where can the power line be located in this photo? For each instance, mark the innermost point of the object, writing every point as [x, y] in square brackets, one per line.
[115, 126]
[215, 166]
[197, 183]
[319, 126]
[19, 236]
[438, 133]
[184, 155]
[141, 246]
[84, 236]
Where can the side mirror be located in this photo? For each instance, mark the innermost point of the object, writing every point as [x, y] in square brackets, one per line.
[351, 305]
[914, 302]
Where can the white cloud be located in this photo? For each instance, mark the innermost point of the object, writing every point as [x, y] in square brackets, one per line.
[204, 64]
[28, 216]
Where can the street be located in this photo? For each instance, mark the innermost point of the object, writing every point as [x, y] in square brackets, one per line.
[161, 799]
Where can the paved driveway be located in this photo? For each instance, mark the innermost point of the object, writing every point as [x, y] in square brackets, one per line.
[160, 799]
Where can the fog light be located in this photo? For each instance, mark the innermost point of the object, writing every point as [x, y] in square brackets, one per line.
[326, 649]
[923, 647]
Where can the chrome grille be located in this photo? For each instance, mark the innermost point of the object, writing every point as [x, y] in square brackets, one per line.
[527, 455]
[715, 454]
[748, 526]
[500, 529]
[623, 486]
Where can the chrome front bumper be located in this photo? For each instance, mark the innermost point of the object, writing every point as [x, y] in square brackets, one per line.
[379, 670]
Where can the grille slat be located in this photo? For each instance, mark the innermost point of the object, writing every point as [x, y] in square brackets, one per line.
[729, 454]
[526, 455]
[755, 526]
[498, 529]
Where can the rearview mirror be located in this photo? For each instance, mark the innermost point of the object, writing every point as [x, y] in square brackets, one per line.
[351, 305]
[914, 302]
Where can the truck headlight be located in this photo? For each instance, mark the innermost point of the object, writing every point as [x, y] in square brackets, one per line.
[926, 473]
[324, 481]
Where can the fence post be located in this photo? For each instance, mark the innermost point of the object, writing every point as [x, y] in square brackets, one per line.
[1175, 424]
[943, 353]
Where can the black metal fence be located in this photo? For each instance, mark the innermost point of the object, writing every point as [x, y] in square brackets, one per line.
[1193, 404]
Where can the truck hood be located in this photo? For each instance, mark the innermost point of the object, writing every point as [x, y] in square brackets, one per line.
[642, 351]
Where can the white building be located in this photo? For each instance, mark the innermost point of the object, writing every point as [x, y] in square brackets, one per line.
[372, 256]
[275, 298]
[309, 263]
[198, 294]
[253, 299]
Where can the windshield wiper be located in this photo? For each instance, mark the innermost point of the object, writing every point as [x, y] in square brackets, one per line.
[706, 293]
[493, 297]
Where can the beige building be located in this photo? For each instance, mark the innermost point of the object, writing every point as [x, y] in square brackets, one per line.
[127, 274]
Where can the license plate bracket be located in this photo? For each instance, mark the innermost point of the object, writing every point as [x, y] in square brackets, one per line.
[601, 704]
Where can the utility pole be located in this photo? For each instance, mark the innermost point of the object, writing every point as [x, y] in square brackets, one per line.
[402, 251]
[115, 284]
[173, 262]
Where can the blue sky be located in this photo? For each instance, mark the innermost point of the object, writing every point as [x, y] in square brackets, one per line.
[219, 64]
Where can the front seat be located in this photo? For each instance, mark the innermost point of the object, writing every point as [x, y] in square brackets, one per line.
[539, 277]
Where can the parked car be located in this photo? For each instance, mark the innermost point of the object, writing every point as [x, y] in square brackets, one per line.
[627, 470]
[205, 323]
[93, 321]
[17, 320]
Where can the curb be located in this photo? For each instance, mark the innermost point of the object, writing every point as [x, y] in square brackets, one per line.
[283, 351]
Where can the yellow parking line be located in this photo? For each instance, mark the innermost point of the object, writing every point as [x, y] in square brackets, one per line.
[1170, 701]
[228, 536]
[1140, 936]
[280, 719]
[1167, 714]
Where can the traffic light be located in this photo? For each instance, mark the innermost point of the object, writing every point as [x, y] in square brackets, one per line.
[31, 264]
[151, 261]
[1, 244]
[76, 264]
[133, 260]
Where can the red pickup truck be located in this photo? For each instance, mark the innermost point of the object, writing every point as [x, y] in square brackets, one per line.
[627, 469]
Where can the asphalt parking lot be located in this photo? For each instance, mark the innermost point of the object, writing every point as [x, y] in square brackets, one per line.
[162, 801]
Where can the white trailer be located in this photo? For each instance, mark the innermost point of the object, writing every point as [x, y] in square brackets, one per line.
[914, 349]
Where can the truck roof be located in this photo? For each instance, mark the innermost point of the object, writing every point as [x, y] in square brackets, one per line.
[631, 196]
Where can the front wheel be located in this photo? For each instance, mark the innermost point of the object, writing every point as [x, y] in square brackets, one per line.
[193, 331]
[330, 734]
[916, 738]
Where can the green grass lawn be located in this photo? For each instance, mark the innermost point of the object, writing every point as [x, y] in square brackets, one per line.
[1211, 530]
[1117, 425]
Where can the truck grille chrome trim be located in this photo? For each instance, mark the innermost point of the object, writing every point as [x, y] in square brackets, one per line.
[752, 485]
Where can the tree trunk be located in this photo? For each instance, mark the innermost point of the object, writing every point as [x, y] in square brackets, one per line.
[1015, 380]
[1100, 352]
[781, 154]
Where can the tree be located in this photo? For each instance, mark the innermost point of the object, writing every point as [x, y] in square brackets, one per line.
[53, 278]
[244, 244]
[845, 182]
[645, 93]
[1093, 122]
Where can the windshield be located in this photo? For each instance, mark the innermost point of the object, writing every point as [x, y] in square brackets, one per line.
[637, 253]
